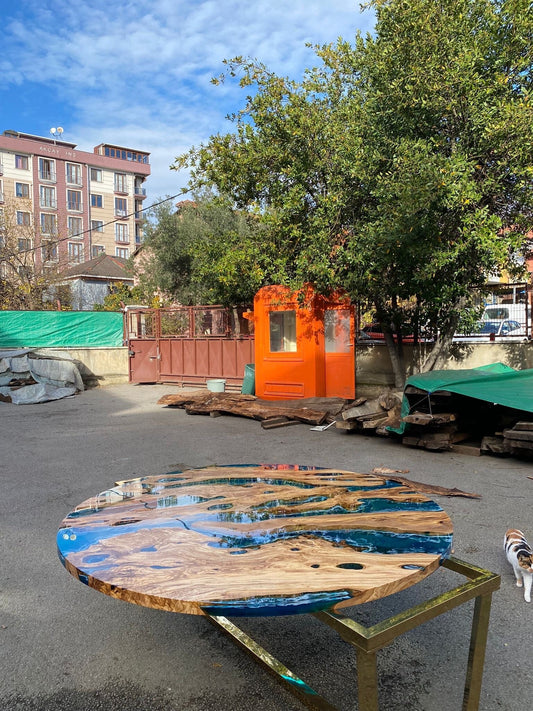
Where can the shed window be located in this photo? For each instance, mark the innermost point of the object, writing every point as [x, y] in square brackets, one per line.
[282, 331]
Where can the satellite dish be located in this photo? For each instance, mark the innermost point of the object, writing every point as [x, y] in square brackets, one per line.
[59, 130]
[53, 130]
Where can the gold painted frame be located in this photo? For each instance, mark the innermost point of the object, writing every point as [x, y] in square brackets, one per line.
[368, 640]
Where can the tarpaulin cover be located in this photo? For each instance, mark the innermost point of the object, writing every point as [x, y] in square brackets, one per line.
[60, 329]
[496, 383]
[28, 378]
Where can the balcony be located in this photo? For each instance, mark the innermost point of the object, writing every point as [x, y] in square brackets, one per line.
[140, 192]
[1, 168]
[121, 213]
[74, 206]
[1, 196]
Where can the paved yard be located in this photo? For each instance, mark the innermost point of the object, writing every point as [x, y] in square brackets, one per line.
[67, 647]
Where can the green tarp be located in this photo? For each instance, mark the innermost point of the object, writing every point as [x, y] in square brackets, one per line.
[496, 383]
[60, 329]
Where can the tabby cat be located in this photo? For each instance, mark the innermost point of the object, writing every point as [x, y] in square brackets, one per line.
[520, 556]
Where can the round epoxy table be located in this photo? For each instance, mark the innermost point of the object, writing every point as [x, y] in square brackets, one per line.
[259, 540]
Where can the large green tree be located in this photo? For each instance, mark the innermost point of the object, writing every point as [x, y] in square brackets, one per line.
[203, 251]
[400, 168]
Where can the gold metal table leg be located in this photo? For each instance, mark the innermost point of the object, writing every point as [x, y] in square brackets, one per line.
[367, 681]
[368, 640]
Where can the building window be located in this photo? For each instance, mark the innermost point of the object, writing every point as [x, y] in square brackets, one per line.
[282, 331]
[21, 162]
[47, 169]
[121, 233]
[121, 183]
[23, 218]
[123, 252]
[74, 174]
[74, 200]
[24, 244]
[96, 175]
[96, 250]
[49, 251]
[121, 207]
[97, 226]
[75, 227]
[97, 201]
[75, 252]
[47, 196]
[48, 223]
[22, 190]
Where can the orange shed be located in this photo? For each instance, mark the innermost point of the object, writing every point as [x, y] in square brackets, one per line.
[304, 344]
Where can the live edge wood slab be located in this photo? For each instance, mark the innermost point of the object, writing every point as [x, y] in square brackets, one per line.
[254, 539]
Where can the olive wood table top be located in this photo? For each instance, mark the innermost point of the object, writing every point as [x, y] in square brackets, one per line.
[265, 539]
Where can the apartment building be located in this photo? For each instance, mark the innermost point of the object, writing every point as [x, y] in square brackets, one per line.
[72, 205]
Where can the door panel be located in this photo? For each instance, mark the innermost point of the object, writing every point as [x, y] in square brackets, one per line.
[144, 361]
[339, 331]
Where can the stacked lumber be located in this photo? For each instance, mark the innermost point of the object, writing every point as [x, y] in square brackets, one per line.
[518, 440]
[313, 411]
[437, 432]
[372, 416]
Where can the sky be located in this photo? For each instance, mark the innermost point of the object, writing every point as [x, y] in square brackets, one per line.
[138, 74]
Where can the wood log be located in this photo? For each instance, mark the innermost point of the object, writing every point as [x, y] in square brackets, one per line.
[389, 400]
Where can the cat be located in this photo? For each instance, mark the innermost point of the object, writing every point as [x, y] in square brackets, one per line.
[520, 556]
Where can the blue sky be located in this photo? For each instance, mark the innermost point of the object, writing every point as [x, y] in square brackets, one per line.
[138, 74]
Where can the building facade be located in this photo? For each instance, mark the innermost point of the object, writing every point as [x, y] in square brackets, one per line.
[68, 206]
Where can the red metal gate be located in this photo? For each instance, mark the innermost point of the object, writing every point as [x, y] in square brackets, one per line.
[188, 344]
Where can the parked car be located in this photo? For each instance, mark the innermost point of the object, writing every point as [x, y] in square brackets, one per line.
[486, 331]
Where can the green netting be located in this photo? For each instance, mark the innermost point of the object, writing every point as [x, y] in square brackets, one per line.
[60, 329]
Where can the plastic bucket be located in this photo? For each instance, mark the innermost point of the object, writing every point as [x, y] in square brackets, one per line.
[216, 385]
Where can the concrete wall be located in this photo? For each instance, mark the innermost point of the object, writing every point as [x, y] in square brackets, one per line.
[108, 366]
[374, 370]
[98, 366]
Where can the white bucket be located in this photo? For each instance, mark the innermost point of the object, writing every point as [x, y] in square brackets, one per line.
[216, 386]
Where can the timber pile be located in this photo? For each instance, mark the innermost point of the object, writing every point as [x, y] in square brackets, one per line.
[312, 411]
[437, 432]
[518, 440]
[372, 416]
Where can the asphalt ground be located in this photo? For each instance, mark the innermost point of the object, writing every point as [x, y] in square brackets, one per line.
[66, 647]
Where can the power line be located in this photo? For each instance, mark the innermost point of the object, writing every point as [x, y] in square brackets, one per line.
[5, 257]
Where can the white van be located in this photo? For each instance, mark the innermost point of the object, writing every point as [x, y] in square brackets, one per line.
[500, 312]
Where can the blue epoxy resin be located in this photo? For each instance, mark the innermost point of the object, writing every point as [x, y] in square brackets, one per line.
[254, 539]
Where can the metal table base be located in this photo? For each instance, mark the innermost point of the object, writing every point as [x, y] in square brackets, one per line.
[368, 640]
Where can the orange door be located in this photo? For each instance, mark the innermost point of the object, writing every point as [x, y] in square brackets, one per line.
[339, 359]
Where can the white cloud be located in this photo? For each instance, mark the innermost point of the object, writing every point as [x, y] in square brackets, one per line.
[138, 74]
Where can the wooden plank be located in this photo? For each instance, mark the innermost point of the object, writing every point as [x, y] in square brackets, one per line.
[528, 426]
[420, 486]
[495, 445]
[273, 422]
[425, 419]
[518, 435]
[348, 425]
[371, 424]
[470, 449]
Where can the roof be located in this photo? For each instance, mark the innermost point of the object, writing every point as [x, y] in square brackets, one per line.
[102, 267]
